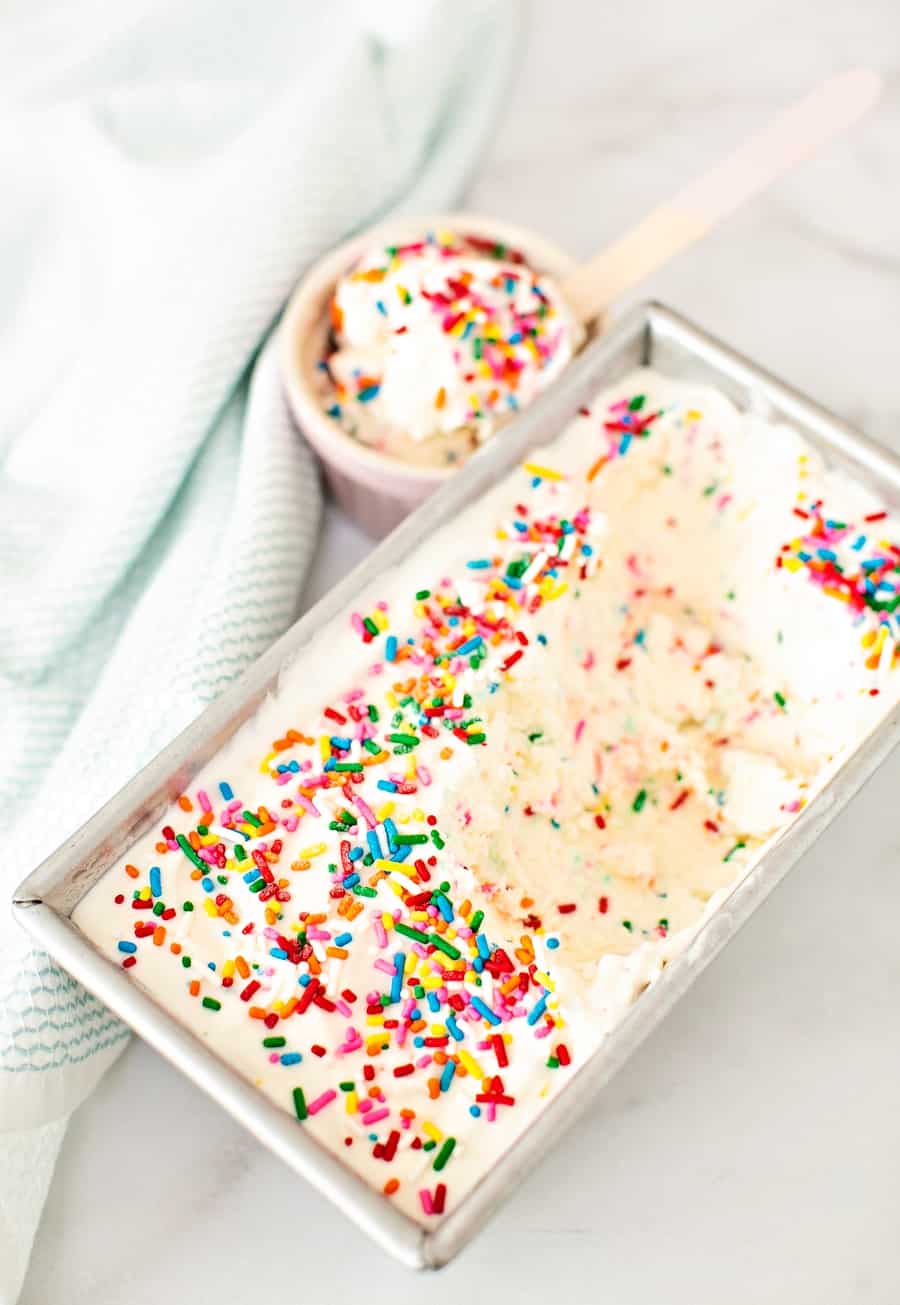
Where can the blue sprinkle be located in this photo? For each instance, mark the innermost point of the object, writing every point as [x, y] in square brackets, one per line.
[251, 876]
[337, 742]
[390, 832]
[542, 638]
[379, 304]
[342, 939]
[387, 786]
[469, 646]
[351, 881]
[537, 1010]
[433, 1001]
[418, 1041]
[155, 881]
[447, 1075]
[402, 852]
[475, 1112]
[479, 563]
[304, 980]
[390, 647]
[486, 1013]
[553, 943]
[453, 1028]
[397, 979]
[127, 947]
[355, 853]
[279, 953]
[208, 884]
[226, 790]
[291, 1058]
[443, 905]
[483, 945]
[374, 845]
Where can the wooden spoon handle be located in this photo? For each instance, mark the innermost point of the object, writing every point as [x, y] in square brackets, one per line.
[793, 135]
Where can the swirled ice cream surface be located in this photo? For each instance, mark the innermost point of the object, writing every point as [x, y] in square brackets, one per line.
[486, 808]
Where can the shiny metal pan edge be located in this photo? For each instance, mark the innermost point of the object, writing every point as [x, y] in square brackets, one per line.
[45, 900]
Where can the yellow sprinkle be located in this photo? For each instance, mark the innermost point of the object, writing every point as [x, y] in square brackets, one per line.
[397, 868]
[378, 1043]
[375, 1021]
[471, 1064]
[324, 746]
[352, 1102]
[309, 852]
[387, 920]
[209, 907]
[385, 810]
[432, 1131]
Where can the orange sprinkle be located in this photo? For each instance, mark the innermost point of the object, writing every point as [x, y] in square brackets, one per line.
[133, 871]
[596, 468]
[340, 952]
[434, 1088]
[175, 948]
[185, 803]
[391, 1186]
[159, 935]
[242, 967]
[440, 398]
[194, 987]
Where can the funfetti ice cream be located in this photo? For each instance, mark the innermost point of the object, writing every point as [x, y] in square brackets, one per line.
[484, 809]
[437, 342]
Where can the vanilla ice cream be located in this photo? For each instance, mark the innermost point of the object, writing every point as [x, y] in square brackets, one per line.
[484, 809]
[436, 342]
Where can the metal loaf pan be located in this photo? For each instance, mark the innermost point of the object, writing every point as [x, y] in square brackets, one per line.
[43, 904]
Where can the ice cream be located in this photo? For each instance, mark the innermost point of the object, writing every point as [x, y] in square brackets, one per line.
[435, 343]
[486, 808]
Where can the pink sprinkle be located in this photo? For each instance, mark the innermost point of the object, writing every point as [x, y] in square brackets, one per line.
[380, 934]
[543, 1031]
[365, 811]
[384, 966]
[579, 730]
[424, 775]
[317, 935]
[308, 805]
[357, 622]
[723, 501]
[423, 1062]
[376, 1115]
[425, 1198]
[203, 799]
[290, 823]
[273, 1058]
[172, 844]
[353, 696]
[491, 1111]
[343, 1008]
[325, 1099]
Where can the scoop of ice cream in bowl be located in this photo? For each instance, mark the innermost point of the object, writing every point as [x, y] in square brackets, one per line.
[407, 347]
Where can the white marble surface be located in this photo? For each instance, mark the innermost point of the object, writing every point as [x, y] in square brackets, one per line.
[751, 1151]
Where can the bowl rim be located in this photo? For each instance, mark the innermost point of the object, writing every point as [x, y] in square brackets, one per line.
[304, 308]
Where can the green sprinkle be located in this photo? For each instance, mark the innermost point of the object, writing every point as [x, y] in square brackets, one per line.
[553, 1062]
[239, 853]
[187, 906]
[362, 891]
[158, 908]
[191, 854]
[442, 945]
[422, 594]
[251, 819]
[475, 922]
[637, 403]
[352, 766]
[475, 738]
[640, 799]
[710, 489]
[370, 625]
[781, 700]
[409, 932]
[211, 1004]
[626, 924]
[371, 746]
[347, 1086]
[445, 1153]
[437, 840]
[299, 1103]
[536, 734]
[407, 740]
[429, 1145]
[407, 840]
[186, 962]
[737, 847]
[373, 712]
[274, 1042]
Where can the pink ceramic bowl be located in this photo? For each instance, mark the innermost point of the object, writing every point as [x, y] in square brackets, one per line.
[376, 490]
